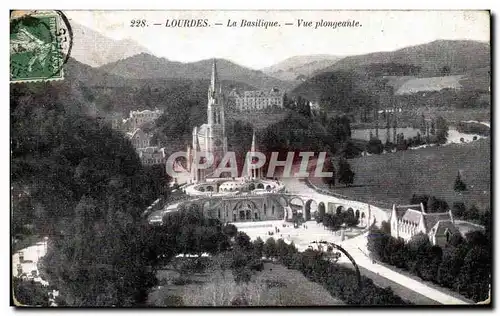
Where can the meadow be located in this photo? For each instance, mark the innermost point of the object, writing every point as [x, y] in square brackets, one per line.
[395, 177]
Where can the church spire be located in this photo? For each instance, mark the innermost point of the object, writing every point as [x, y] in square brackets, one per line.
[253, 142]
[214, 81]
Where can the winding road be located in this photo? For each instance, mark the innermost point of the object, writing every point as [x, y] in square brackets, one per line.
[357, 249]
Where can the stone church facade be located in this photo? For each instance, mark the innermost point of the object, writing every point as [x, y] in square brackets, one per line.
[210, 137]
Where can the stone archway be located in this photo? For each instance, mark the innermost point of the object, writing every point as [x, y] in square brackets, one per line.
[356, 214]
[310, 207]
[260, 186]
[245, 210]
[297, 201]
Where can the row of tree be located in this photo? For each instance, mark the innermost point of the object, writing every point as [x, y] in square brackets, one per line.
[335, 221]
[343, 174]
[431, 204]
[463, 265]
[434, 132]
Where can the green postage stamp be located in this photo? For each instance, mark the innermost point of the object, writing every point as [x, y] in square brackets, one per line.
[37, 47]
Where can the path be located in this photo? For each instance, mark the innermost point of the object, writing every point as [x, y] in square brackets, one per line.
[357, 249]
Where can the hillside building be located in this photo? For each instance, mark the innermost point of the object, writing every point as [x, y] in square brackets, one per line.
[152, 155]
[137, 119]
[256, 100]
[410, 220]
[139, 138]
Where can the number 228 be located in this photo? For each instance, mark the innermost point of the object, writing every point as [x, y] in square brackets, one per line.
[138, 23]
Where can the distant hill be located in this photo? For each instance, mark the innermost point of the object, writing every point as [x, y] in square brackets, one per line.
[100, 93]
[94, 49]
[455, 57]
[297, 67]
[146, 66]
[456, 72]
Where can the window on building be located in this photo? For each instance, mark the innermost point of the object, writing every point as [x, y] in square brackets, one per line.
[272, 212]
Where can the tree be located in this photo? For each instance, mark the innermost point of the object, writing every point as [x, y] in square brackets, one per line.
[436, 205]
[349, 218]
[349, 150]
[441, 130]
[430, 264]
[458, 209]
[474, 279]
[281, 249]
[270, 248]
[375, 146]
[243, 241]
[450, 266]
[445, 70]
[459, 185]
[345, 174]
[321, 212]
[456, 240]
[377, 241]
[258, 247]
[476, 238]
[30, 293]
[418, 249]
[329, 168]
[230, 230]
[386, 227]
[417, 199]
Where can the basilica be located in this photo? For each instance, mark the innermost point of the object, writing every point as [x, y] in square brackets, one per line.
[210, 137]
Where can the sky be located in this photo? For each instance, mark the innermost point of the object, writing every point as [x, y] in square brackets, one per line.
[258, 47]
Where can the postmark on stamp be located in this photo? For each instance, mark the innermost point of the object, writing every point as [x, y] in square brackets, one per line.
[40, 44]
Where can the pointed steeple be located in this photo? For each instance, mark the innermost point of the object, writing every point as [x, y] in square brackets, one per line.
[253, 142]
[214, 81]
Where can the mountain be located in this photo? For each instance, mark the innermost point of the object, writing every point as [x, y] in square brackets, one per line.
[102, 93]
[103, 49]
[297, 67]
[438, 74]
[431, 59]
[147, 66]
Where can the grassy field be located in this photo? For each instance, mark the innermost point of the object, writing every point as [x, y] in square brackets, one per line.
[453, 116]
[274, 286]
[395, 177]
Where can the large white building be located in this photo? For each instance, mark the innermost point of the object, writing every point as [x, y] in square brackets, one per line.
[256, 100]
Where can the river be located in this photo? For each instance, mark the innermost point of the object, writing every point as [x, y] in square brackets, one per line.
[409, 132]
